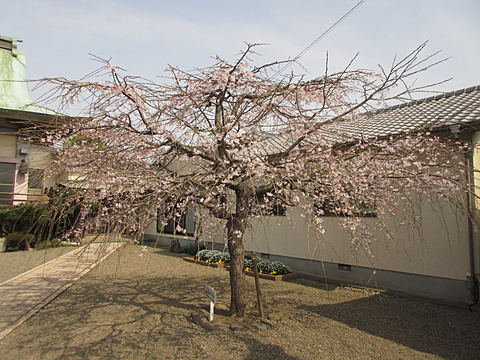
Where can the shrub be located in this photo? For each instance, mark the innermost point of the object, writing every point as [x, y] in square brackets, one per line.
[268, 267]
[193, 248]
[34, 218]
[23, 217]
[213, 256]
[19, 241]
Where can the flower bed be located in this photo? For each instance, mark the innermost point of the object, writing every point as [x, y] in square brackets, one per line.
[213, 258]
[275, 270]
[206, 263]
[266, 269]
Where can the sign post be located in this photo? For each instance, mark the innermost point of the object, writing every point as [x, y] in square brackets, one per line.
[212, 296]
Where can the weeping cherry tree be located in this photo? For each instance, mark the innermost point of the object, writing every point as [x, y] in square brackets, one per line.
[234, 140]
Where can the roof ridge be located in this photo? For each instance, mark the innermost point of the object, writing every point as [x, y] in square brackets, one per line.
[431, 98]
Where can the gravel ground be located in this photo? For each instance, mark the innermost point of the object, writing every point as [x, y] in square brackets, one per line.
[18, 262]
[137, 305]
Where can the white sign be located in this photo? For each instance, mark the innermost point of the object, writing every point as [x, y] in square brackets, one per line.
[210, 294]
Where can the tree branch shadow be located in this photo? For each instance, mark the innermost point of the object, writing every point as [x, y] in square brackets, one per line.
[123, 316]
[417, 325]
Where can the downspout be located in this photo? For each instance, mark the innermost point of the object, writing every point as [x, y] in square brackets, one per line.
[471, 208]
[471, 248]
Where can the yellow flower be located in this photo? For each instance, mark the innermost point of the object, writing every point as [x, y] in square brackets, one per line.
[248, 269]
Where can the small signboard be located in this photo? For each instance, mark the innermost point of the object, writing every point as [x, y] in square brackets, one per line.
[210, 294]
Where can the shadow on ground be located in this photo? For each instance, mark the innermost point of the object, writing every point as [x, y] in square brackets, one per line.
[115, 313]
[448, 332]
[137, 304]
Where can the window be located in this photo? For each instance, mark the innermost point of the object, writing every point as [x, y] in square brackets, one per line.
[174, 223]
[267, 204]
[184, 221]
[7, 177]
[35, 179]
[329, 206]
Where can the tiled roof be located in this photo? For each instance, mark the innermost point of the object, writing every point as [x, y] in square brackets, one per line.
[461, 107]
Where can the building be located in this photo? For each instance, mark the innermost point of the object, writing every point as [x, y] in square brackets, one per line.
[21, 162]
[437, 259]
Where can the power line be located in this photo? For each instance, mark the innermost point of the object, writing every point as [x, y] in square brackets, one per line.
[360, 3]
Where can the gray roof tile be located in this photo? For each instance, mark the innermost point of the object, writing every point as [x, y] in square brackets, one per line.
[456, 107]
[460, 107]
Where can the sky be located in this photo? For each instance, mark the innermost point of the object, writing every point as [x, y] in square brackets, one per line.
[146, 36]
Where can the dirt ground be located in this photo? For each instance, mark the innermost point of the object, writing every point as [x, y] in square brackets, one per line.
[137, 305]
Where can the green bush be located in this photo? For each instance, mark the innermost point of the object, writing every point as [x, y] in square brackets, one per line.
[28, 218]
[34, 218]
[19, 241]
[268, 267]
[213, 256]
[193, 248]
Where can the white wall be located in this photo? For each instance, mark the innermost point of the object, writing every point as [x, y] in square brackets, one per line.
[437, 247]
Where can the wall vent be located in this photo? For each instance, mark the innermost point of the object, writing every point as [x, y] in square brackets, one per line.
[344, 267]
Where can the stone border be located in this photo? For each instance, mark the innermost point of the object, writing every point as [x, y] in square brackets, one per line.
[204, 263]
[284, 277]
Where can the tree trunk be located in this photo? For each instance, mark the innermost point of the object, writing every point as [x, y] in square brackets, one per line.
[236, 228]
[237, 278]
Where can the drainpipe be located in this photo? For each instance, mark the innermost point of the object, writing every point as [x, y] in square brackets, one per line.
[471, 248]
[471, 208]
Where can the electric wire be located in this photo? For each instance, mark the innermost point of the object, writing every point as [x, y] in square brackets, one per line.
[325, 33]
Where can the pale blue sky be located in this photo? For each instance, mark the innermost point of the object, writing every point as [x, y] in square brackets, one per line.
[144, 36]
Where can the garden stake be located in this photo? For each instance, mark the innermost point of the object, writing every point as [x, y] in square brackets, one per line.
[257, 284]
